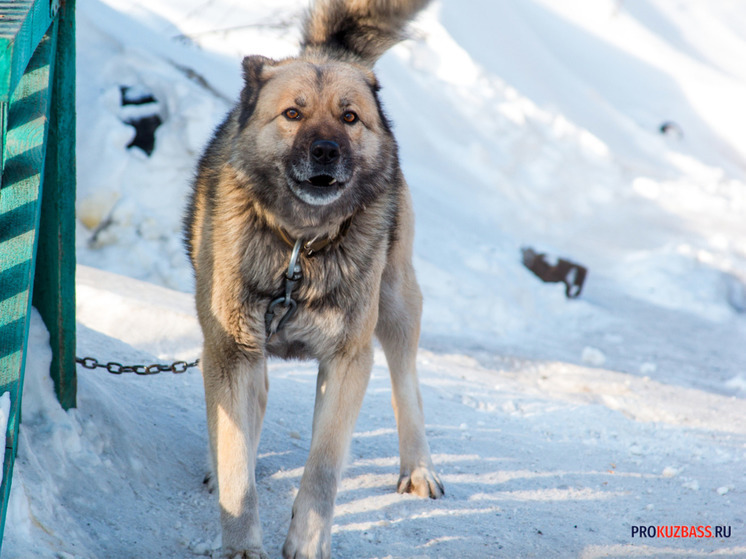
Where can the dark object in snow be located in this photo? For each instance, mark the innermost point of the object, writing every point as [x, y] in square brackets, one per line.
[145, 133]
[571, 274]
[145, 119]
[670, 128]
[135, 96]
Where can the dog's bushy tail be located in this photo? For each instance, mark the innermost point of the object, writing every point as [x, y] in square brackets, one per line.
[358, 30]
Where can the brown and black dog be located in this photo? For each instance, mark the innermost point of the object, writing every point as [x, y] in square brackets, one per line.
[300, 232]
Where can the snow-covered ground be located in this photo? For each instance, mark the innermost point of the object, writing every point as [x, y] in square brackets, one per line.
[557, 425]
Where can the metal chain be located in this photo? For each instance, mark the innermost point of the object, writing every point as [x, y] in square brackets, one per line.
[293, 277]
[118, 368]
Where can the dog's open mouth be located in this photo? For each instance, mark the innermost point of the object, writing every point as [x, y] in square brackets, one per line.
[322, 180]
[318, 190]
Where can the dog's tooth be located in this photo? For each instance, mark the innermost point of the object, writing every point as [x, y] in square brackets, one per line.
[331, 182]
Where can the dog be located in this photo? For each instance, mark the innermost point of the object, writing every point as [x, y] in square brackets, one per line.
[300, 229]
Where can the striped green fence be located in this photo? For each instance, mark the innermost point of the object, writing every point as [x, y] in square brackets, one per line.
[37, 199]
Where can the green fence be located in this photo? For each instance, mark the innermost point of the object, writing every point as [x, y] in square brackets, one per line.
[37, 198]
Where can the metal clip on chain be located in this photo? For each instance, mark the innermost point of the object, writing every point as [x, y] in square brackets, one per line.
[293, 277]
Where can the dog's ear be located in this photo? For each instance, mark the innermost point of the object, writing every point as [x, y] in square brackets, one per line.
[371, 80]
[252, 68]
[254, 77]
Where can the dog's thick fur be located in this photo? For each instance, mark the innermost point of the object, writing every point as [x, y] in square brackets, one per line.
[308, 152]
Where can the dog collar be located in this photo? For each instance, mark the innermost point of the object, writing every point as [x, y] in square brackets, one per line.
[315, 245]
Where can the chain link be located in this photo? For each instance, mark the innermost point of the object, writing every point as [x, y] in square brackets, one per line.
[118, 369]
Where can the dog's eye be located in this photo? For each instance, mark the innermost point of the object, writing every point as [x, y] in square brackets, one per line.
[292, 114]
[350, 117]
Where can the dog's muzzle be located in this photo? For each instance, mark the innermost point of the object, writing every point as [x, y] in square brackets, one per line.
[321, 177]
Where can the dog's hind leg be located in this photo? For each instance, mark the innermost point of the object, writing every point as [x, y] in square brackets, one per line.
[340, 388]
[236, 397]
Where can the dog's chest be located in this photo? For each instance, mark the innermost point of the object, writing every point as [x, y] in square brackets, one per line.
[328, 302]
[313, 330]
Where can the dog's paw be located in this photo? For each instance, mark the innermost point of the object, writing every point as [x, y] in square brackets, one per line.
[210, 482]
[291, 550]
[423, 482]
[307, 540]
[246, 554]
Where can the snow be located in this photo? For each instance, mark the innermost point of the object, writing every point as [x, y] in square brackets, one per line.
[556, 424]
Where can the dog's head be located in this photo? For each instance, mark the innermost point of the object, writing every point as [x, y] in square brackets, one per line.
[312, 139]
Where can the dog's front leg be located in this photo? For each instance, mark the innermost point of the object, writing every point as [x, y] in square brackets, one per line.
[340, 388]
[398, 330]
[236, 396]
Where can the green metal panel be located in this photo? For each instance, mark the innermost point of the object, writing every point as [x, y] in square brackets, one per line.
[54, 284]
[22, 26]
[25, 117]
[37, 197]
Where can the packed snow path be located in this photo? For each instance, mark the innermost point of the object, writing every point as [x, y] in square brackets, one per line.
[539, 459]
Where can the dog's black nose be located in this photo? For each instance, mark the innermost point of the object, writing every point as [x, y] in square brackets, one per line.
[325, 151]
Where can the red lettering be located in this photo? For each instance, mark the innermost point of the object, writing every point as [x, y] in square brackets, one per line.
[700, 531]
